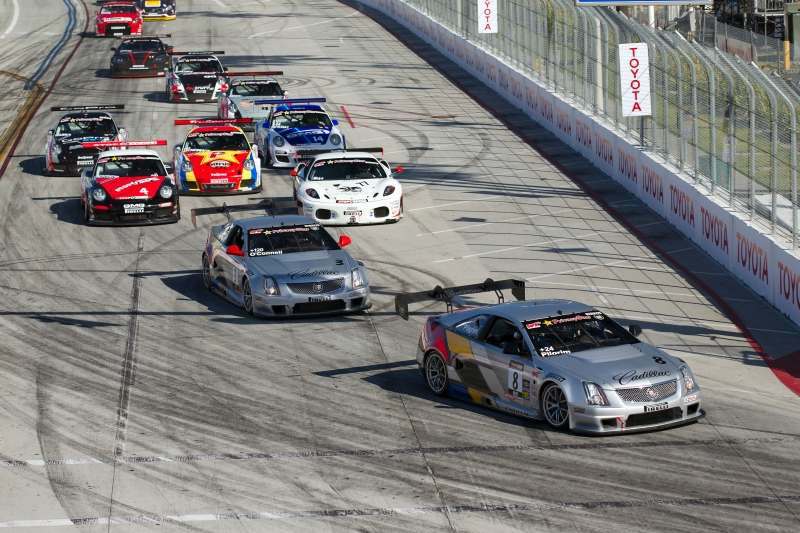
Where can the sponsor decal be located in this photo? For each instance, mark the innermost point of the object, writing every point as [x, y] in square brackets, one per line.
[635, 375]
[259, 252]
[652, 184]
[563, 122]
[634, 75]
[487, 19]
[691, 398]
[311, 273]
[655, 407]
[531, 100]
[789, 284]
[545, 108]
[626, 164]
[604, 150]
[137, 182]
[681, 205]
[550, 351]
[752, 257]
[516, 365]
[583, 134]
[714, 229]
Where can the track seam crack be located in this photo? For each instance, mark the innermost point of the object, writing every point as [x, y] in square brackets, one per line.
[127, 375]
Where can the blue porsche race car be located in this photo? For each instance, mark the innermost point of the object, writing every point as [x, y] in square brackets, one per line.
[294, 125]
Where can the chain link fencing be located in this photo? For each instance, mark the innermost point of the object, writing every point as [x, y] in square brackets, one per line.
[724, 122]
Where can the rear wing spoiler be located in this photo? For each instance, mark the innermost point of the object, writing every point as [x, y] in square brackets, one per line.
[145, 37]
[269, 205]
[290, 101]
[446, 294]
[198, 53]
[211, 121]
[124, 144]
[114, 107]
[244, 73]
[310, 153]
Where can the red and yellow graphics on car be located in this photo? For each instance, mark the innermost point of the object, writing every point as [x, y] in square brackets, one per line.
[217, 158]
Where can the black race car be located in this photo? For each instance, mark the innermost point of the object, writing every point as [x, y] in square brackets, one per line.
[65, 150]
[140, 57]
[194, 77]
[157, 9]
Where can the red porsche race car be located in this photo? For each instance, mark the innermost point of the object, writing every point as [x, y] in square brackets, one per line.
[217, 158]
[128, 185]
[118, 17]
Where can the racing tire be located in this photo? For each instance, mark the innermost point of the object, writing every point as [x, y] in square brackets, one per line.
[435, 371]
[206, 273]
[86, 215]
[555, 408]
[247, 297]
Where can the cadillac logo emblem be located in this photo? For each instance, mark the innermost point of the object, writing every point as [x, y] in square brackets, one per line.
[651, 392]
[317, 287]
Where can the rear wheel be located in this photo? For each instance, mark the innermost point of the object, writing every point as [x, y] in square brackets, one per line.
[436, 374]
[554, 407]
[86, 213]
[206, 273]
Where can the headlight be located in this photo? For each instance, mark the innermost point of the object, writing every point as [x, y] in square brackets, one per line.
[58, 149]
[388, 190]
[165, 192]
[594, 394]
[187, 165]
[278, 141]
[688, 379]
[99, 194]
[312, 193]
[335, 139]
[248, 164]
[359, 280]
[271, 287]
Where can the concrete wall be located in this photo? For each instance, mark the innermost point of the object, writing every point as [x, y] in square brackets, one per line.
[754, 258]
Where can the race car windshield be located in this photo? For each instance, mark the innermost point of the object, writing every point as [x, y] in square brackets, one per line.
[221, 140]
[86, 128]
[346, 169]
[198, 65]
[569, 334]
[140, 46]
[289, 239]
[301, 119]
[130, 166]
[257, 89]
[118, 10]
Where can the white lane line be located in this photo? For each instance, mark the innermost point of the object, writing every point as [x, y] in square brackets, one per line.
[540, 243]
[620, 289]
[479, 224]
[327, 21]
[456, 203]
[14, 19]
[220, 3]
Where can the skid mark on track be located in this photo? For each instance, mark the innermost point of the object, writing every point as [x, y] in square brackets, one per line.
[502, 508]
[128, 374]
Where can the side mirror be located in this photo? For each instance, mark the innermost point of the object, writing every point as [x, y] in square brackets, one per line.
[285, 93]
[50, 133]
[178, 148]
[398, 170]
[635, 330]
[335, 122]
[86, 173]
[234, 249]
[113, 48]
[293, 173]
[169, 168]
[344, 241]
[123, 134]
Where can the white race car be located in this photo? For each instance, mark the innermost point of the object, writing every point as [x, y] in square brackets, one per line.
[348, 187]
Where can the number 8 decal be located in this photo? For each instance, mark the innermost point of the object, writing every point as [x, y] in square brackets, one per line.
[514, 380]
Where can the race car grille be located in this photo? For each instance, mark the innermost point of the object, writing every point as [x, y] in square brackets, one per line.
[656, 417]
[317, 287]
[319, 307]
[118, 28]
[653, 393]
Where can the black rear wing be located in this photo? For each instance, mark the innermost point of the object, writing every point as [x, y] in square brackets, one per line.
[446, 294]
[312, 153]
[268, 205]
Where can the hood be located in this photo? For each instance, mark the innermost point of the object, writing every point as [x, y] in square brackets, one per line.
[304, 266]
[627, 366]
[246, 107]
[132, 187]
[138, 58]
[198, 80]
[117, 17]
[350, 191]
[223, 164]
[300, 136]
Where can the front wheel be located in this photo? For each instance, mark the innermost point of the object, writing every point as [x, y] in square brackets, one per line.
[555, 407]
[247, 297]
[436, 374]
[206, 273]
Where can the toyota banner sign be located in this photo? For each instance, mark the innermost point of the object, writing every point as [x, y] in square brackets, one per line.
[634, 73]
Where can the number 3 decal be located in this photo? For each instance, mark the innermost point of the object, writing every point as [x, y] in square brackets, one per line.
[659, 360]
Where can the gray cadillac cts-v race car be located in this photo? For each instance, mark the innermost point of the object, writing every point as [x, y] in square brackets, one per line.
[556, 360]
[284, 265]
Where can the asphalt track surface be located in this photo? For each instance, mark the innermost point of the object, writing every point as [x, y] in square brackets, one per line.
[130, 397]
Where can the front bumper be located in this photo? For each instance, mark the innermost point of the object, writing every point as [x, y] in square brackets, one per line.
[210, 96]
[74, 165]
[331, 214]
[117, 29]
[290, 304]
[131, 72]
[286, 155]
[633, 418]
[193, 188]
[153, 213]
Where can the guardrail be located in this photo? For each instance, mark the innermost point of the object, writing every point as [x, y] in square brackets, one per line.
[681, 163]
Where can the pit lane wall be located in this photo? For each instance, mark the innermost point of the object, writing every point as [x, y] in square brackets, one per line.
[760, 262]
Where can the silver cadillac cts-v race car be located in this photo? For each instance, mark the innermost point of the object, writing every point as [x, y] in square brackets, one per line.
[556, 360]
[284, 265]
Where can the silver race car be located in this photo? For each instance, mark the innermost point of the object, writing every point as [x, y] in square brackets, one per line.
[556, 360]
[238, 96]
[285, 265]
